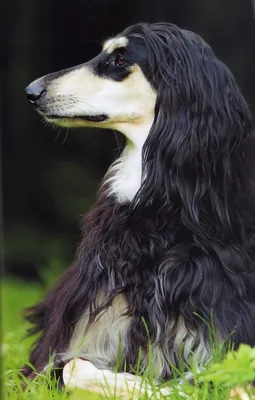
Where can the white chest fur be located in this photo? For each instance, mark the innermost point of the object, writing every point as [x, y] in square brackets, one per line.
[125, 174]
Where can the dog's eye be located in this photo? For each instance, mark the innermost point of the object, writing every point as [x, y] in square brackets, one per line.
[119, 60]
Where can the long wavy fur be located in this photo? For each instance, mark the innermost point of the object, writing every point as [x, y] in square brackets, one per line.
[186, 244]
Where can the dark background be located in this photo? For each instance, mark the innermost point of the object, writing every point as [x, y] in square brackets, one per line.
[50, 177]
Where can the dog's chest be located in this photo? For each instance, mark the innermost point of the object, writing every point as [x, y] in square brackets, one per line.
[125, 175]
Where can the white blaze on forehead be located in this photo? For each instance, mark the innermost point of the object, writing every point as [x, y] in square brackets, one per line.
[115, 43]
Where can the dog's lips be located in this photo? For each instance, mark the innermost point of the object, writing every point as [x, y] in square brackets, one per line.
[89, 118]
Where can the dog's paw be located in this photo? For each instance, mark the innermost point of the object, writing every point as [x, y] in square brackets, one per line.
[82, 374]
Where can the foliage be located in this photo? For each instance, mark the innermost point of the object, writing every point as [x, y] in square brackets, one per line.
[237, 368]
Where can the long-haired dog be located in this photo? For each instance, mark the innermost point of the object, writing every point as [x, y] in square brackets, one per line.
[169, 247]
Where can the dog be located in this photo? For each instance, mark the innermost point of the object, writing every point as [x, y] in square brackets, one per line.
[168, 250]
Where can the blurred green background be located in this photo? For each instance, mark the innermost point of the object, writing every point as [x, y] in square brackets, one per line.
[50, 177]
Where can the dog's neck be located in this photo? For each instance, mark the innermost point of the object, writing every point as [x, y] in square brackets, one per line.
[125, 174]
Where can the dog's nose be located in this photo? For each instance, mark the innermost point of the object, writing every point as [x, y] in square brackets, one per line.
[35, 91]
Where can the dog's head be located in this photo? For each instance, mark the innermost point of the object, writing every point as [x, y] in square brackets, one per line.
[155, 76]
[110, 91]
[118, 88]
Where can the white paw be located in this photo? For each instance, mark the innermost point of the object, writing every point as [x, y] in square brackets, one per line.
[79, 373]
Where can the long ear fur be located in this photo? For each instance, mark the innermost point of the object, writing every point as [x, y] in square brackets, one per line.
[198, 164]
[201, 143]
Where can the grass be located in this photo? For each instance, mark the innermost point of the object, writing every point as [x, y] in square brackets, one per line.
[215, 383]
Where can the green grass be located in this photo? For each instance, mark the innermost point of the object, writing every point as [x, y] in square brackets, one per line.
[215, 383]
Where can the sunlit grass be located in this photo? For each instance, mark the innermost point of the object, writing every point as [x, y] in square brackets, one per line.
[214, 383]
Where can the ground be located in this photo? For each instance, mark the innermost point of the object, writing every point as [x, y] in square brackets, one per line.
[220, 381]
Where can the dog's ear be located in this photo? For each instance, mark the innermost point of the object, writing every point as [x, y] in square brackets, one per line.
[198, 151]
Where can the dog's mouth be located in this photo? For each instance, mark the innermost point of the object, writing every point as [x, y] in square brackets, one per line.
[88, 118]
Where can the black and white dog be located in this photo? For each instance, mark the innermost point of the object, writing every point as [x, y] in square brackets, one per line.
[169, 246]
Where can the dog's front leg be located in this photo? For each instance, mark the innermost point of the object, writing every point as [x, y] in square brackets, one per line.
[79, 373]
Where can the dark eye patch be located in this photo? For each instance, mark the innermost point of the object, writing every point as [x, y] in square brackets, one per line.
[120, 54]
[107, 65]
[115, 66]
